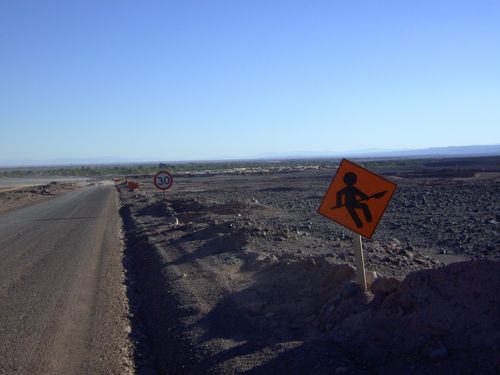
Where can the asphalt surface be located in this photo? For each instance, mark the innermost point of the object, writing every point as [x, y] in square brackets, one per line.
[62, 303]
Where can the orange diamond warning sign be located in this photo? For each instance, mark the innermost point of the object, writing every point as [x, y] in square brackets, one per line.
[357, 198]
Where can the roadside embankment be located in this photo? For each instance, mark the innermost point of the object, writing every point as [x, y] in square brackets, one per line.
[16, 197]
[210, 295]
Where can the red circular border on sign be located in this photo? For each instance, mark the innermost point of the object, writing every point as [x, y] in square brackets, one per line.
[169, 175]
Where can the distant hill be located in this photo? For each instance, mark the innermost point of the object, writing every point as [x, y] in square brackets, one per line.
[488, 150]
[485, 150]
[451, 151]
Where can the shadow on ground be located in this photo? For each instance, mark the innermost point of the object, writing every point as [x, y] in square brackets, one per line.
[155, 321]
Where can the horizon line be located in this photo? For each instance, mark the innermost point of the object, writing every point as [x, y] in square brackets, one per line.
[269, 156]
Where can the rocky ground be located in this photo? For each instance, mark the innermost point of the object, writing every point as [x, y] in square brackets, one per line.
[17, 197]
[239, 274]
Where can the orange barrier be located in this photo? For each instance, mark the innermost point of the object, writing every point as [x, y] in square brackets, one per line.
[133, 185]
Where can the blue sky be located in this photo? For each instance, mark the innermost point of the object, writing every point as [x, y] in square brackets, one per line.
[177, 80]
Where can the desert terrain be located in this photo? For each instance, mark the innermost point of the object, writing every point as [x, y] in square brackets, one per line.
[21, 192]
[236, 272]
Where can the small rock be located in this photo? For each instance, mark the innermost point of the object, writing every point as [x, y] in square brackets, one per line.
[395, 241]
[439, 353]
[349, 289]
[370, 277]
[172, 220]
[409, 254]
[266, 258]
[342, 272]
[385, 285]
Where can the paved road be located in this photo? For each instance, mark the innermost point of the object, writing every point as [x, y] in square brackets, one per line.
[62, 305]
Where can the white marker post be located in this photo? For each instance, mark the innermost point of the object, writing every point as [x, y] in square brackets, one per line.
[360, 262]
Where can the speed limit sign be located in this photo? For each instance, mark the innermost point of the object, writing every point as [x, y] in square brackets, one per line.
[163, 180]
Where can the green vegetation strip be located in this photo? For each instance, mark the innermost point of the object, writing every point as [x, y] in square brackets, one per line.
[124, 170]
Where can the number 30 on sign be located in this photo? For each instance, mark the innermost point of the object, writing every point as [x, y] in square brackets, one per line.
[163, 180]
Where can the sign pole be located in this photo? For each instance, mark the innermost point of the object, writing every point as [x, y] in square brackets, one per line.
[357, 199]
[360, 263]
[163, 181]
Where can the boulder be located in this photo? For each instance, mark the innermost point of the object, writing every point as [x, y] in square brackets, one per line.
[385, 285]
[370, 277]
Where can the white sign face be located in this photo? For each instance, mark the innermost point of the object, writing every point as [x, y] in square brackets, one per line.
[163, 180]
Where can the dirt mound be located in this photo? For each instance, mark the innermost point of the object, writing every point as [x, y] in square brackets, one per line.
[252, 274]
[449, 315]
[160, 209]
[157, 209]
[396, 258]
[219, 237]
[194, 210]
[288, 293]
[209, 232]
[23, 196]
[187, 205]
[298, 288]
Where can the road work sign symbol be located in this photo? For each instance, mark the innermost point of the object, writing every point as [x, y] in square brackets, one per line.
[163, 180]
[357, 198]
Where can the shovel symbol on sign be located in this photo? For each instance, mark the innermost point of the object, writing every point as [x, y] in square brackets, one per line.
[350, 194]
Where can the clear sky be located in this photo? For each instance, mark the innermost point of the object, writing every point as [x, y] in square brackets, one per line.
[177, 80]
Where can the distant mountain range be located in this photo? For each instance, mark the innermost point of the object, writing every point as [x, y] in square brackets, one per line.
[63, 162]
[488, 150]
[484, 150]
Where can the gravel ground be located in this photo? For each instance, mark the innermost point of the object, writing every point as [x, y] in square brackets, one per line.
[13, 197]
[239, 274]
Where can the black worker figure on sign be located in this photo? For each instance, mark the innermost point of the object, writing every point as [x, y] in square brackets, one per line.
[348, 198]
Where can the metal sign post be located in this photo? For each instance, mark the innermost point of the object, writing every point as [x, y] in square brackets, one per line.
[357, 199]
[360, 261]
